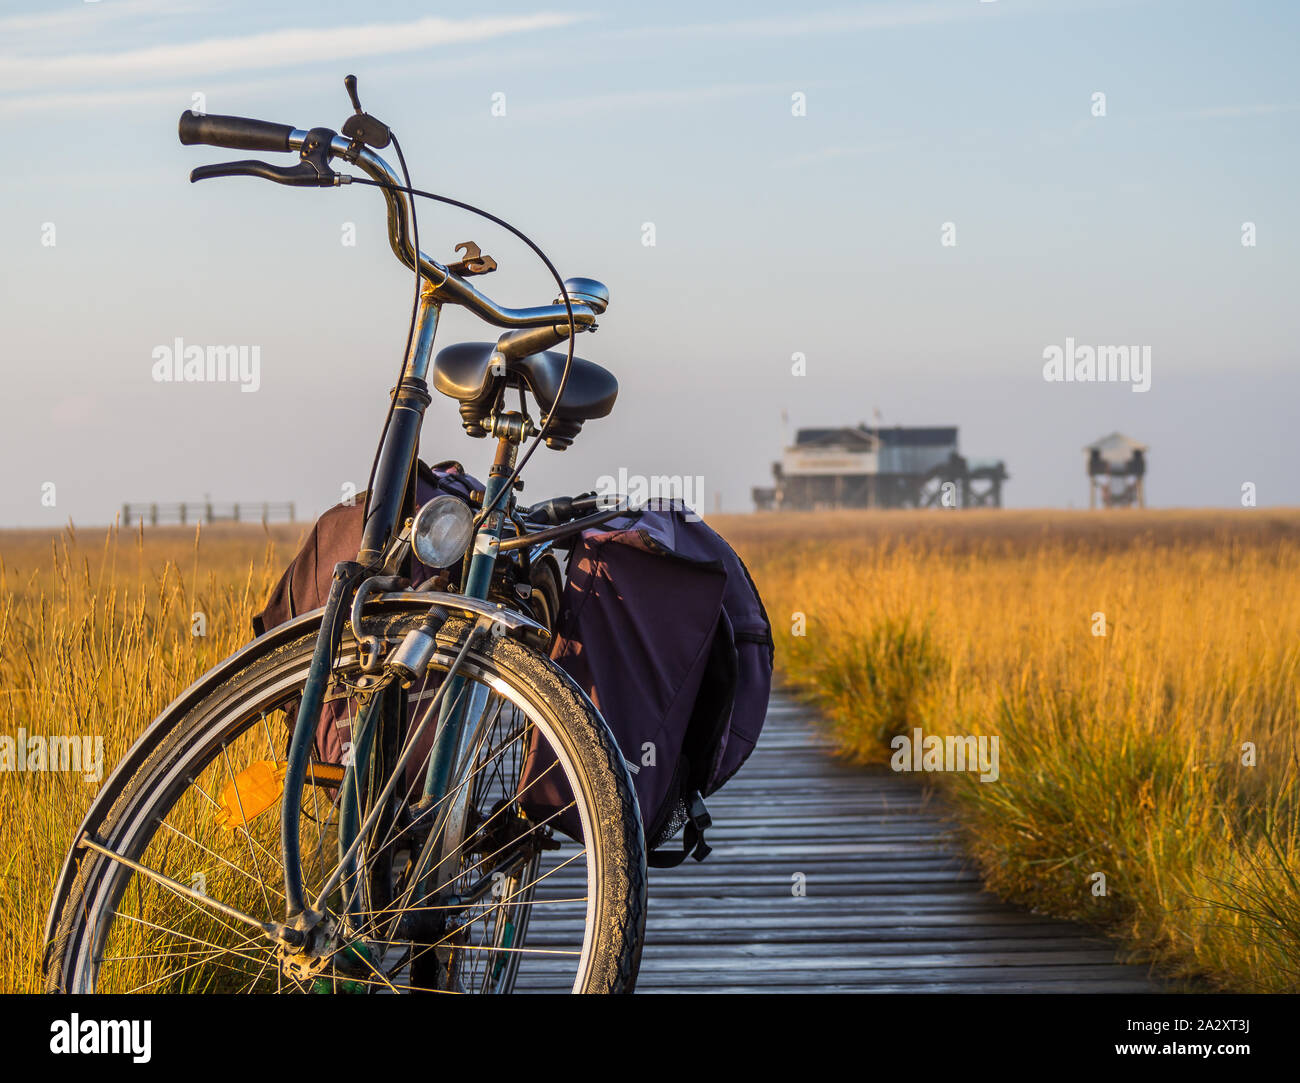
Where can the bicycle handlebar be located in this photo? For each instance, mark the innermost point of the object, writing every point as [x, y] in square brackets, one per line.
[241, 133]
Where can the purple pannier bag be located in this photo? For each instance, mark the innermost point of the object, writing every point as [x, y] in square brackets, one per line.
[663, 628]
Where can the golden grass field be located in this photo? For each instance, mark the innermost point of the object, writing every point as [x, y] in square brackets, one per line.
[96, 638]
[1120, 754]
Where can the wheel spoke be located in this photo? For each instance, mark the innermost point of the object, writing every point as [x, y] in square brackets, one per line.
[187, 893]
[213, 853]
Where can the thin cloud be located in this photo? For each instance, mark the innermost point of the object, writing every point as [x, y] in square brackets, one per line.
[651, 99]
[833, 22]
[180, 95]
[826, 22]
[636, 99]
[1227, 111]
[874, 17]
[176, 96]
[89, 17]
[273, 49]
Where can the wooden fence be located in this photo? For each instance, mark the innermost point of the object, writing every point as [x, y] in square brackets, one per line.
[207, 512]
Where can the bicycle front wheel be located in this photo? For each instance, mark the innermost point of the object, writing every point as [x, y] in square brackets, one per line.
[179, 884]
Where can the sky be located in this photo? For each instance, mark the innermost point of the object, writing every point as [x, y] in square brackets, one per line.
[803, 175]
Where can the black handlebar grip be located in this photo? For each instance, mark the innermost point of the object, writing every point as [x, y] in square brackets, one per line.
[237, 133]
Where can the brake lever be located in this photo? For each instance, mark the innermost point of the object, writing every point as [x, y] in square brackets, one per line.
[299, 176]
[312, 171]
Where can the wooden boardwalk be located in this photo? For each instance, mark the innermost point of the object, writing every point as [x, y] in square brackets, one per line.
[891, 905]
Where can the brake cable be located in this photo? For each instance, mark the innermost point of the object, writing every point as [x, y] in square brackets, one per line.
[508, 486]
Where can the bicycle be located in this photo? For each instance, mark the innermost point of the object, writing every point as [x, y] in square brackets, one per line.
[223, 854]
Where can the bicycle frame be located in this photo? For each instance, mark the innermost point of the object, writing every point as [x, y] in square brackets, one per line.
[391, 503]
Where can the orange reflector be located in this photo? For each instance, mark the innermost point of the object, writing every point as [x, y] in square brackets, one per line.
[251, 792]
[324, 774]
[259, 785]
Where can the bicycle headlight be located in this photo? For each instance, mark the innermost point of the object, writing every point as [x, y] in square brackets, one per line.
[442, 531]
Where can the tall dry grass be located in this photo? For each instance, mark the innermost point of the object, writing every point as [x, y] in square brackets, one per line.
[1124, 754]
[1120, 754]
[96, 638]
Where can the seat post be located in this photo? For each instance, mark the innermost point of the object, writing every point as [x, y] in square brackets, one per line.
[479, 581]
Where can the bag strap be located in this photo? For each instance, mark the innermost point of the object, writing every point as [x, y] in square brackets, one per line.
[693, 844]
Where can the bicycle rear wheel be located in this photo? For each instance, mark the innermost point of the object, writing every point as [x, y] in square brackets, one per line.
[184, 861]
